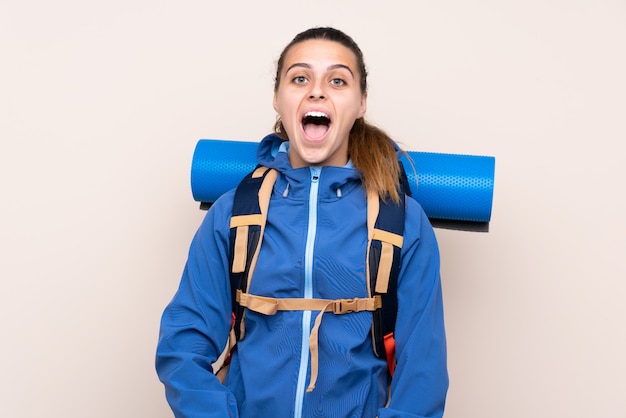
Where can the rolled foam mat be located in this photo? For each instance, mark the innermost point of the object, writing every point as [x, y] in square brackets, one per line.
[456, 191]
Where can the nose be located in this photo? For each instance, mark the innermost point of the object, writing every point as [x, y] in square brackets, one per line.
[317, 91]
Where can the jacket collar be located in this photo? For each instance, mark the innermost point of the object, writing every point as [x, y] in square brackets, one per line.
[335, 182]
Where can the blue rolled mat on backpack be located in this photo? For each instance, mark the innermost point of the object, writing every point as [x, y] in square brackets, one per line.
[455, 190]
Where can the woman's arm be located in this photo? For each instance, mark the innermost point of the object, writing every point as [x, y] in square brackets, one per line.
[420, 382]
[195, 326]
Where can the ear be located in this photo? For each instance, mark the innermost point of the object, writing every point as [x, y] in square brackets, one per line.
[275, 102]
[363, 108]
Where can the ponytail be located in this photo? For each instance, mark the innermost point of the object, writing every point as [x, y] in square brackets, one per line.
[373, 152]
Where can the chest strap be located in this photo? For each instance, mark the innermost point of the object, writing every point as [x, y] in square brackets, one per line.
[269, 306]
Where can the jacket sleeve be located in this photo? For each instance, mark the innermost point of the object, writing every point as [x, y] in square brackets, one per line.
[195, 326]
[420, 382]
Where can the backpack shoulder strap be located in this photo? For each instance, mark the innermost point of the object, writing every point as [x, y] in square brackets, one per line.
[247, 225]
[385, 236]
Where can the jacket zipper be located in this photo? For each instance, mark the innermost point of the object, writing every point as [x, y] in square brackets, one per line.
[308, 290]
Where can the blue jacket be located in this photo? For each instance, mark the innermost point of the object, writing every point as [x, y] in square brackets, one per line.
[314, 246]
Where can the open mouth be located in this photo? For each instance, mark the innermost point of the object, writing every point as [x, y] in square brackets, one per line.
[315, 124]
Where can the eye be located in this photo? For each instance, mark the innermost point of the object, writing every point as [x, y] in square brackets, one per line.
[338, 82]
[299, 79]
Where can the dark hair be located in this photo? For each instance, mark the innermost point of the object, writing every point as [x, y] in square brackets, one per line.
[371, 150]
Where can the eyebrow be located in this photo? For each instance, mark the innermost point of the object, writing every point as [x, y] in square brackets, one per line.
[330, 67]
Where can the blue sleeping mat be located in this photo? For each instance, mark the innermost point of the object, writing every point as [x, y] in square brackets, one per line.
[456, 191]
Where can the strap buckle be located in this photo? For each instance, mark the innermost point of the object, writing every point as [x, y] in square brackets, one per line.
[343, 306]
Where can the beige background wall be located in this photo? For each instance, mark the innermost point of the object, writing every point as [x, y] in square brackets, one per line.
[101, 104]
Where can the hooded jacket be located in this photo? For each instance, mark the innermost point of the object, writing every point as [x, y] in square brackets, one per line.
[314, 246]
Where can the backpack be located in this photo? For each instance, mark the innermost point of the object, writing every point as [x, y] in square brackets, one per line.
[385, 225]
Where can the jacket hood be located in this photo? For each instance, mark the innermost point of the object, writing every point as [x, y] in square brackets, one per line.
[268, 153]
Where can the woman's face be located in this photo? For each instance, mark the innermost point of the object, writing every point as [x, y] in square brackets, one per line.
[318, 99]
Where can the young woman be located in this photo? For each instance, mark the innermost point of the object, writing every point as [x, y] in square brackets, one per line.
[314, 247]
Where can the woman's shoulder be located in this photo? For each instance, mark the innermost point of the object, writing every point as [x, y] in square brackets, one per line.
[414, 209]
[416, 222]
[218, 215]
